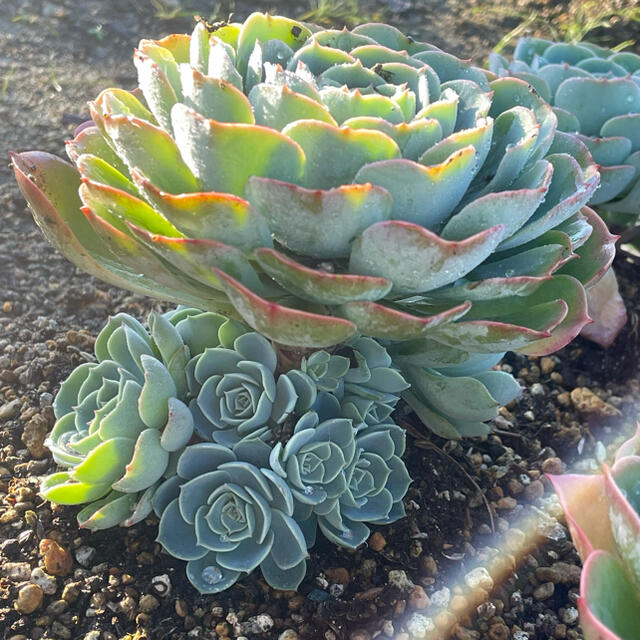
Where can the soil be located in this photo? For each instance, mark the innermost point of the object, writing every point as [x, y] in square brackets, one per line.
[476, 503]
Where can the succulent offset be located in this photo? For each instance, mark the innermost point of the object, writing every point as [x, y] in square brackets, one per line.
[603, 514]
[323, 184]
[120, 420]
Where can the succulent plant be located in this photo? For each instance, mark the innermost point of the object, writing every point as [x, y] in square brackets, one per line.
[342, 477]
[236, 391]
[603, 514]
[323, 184]
[595, 92]
[226, 516]
[120, 419]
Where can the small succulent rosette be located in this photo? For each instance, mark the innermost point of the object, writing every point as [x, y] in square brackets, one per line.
[237, 392]
[120, 420]
[603, 514]
[226, 516]
[342, 477]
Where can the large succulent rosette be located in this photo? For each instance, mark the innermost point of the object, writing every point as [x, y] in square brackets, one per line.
[323, 184]
[603, 514]
[119, 420]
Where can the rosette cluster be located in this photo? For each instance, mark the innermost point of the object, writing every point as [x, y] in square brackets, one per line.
[121, 419]
[323, 184]
[241, 462]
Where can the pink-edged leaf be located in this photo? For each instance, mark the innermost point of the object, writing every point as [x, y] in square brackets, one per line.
[631, 447]
[379, 321]
[621, 486]
[492, 288]
[211, 215]
[585, 507]
[319, 286]
[487, 336]
[50, 186]
[160, 279]
[606, 308]
[197, 257]
[416, 259]
[316, 222]
[596, 254]
[608, 603]
[572, 292]
[282, 324]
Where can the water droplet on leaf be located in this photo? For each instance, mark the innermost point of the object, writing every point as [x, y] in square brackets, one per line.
[211, 575]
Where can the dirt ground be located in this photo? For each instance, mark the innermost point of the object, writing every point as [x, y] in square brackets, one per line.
[471, 501]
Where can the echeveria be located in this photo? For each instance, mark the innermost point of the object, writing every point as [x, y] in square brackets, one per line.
[340, 491]
[595, 93]
[225, 517]
[120, 419]
[322, 184]
[603, 514]
[236, 390]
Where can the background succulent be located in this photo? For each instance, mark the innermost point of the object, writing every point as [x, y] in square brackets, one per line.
[595, 93]
[603, 514]
[226, 516]
[320, 184]
[119, 420]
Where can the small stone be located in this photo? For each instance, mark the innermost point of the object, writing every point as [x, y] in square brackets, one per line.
[534, 491]
[479, 578]
[71, 592]
[418, 599]
[554, 466]
[360, 634]
[92, 635]
[569, 616]
[441, 598]
[428, 566]
[85, 554]
[9, 409]
[585, 401]
[537, 389]
[377, 541]
[182, 608]
[128, 607]
[57, 560]
[506, 504]
[57, 607]
[499, 631]
[547, 365]
[34, 434]
[564, 399]
[419, 626]
[338, 575]
[289, 634]
[544, 591]
[29, 599]
[60, 631]
[148, 603]
[399, 579]
[46, 582]
[16, 571]
[161, 585]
